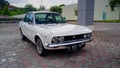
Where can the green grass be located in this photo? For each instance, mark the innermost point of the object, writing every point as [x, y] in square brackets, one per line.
[108, 21]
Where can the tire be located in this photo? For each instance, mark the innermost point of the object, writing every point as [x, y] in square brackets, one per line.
[22, 36]
[82, 46]
[40, 49]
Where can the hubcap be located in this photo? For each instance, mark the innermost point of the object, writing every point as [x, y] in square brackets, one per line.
[39, 46]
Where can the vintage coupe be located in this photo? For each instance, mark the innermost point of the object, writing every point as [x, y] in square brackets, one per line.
[50, 31]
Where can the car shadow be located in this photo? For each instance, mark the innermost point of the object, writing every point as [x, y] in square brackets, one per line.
[57, 53]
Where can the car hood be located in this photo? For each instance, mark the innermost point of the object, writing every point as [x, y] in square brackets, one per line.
[65, 29]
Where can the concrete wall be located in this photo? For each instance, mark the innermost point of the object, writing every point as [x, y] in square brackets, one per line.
[101, 11]
[68, 12]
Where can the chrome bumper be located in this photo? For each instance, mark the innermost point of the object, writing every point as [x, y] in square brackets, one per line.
[70, 43]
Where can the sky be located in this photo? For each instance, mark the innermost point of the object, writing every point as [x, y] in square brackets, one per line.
[37, 3]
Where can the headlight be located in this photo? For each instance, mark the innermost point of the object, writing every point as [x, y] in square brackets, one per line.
[88, 35]
[58, 40]
[85, 35]
[61, 39]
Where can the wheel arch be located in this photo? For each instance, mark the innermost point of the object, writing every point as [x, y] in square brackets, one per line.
[36, 37]
[20, 29]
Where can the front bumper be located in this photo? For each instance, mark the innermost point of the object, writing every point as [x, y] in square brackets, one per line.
[70, 43]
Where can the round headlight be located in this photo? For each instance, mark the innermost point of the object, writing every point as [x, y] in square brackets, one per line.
[58, 39]
[55, 40]
[61, 39]
[89, 35]
[85, 35]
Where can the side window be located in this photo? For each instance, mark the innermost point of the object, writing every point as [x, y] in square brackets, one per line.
[26, 18]
[58, 18]
[50, 18]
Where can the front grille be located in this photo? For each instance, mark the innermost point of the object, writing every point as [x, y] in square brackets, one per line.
[73, 37]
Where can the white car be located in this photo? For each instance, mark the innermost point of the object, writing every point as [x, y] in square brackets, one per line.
[50, 31]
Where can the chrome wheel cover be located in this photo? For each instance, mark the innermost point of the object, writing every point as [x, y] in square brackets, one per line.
[39, 46]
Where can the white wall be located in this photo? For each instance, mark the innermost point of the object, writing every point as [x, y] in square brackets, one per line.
[68, 12]
[100, 7]
[103, 6]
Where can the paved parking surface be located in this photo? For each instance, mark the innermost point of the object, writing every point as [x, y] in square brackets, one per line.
[102, 52]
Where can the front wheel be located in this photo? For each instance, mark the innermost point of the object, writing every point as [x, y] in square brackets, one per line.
[82, 46]
[40, 49]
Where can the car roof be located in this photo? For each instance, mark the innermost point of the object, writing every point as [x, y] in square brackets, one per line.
[42, 12]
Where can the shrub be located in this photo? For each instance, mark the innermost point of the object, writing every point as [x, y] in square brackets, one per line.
[6, 11]
[0, 12]
[56, 9]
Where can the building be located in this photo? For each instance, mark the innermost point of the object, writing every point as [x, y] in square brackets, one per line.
[11, 7]
[69, 12]
[102, 11]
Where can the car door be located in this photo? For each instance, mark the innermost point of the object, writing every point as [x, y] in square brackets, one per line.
[24, 25]
[30, 27]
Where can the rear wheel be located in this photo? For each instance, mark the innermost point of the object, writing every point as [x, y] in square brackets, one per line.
[22, 36]
[40, 49]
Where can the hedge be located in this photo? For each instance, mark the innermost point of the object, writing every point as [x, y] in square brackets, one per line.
[10, 20]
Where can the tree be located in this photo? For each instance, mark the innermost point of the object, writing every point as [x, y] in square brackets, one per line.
[115, 4]
[29, 8]
[0, 12]
[17, 11]
[3, 3]
[6, 11]
[76, 11]
[56, 9]
[42, 7]
[61, 5]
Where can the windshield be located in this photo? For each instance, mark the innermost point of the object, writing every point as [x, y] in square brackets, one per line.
[48, 18]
